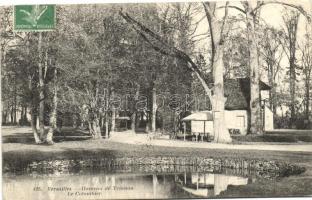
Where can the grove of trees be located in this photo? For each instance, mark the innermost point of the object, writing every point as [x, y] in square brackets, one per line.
[108, 61]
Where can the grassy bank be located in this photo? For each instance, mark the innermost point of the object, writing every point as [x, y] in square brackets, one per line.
[23, 152]
[277, 136]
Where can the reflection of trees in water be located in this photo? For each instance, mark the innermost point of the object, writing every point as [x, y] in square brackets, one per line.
[144, 185]
[208, 184]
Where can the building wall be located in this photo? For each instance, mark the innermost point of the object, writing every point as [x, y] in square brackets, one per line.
[268, 119]
[237, 119]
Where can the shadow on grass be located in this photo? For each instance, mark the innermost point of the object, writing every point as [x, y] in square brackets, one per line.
[270, 137]
[67, 134]
[30, 139]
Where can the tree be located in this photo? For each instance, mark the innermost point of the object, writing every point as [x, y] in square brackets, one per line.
[255, 109]
[9, 40]
[252, 12]
[291, 20]
[217, 40]
[306, 60]
[236, 56]
[272, 54]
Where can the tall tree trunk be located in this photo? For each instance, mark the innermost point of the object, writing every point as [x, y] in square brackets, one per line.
[33, 105]
[95, 123]
[154, 109]
[106, 122]
[134, 115]
[291, 23]
[147, 125]
[95, 128]
[106, 125]
[255, 108]
[292, 85]
[113, 112]
[53, 117]
[133, 120]
[25, 114]
[41, 89]
[221, 133]
[4, 117]
[33, 114]
[12, 114]
[33, 126]
[272, 92]
[307, 106]
[15, 102]
[22, 115]
[3, 120]
[75, 119]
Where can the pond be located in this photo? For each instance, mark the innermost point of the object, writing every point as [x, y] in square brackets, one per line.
[116, 178]
[120, 185]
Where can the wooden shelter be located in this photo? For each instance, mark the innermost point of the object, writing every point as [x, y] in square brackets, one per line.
[201, 123]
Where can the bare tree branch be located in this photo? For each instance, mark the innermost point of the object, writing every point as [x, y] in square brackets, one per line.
[234, 7]
[145, 32]
[299, 8]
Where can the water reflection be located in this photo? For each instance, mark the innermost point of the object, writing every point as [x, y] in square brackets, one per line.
[210, 185]
[118, 185]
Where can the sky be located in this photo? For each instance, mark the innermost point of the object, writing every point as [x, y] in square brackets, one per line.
[270, 14]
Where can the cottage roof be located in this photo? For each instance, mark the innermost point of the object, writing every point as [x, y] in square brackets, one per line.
[237, 92]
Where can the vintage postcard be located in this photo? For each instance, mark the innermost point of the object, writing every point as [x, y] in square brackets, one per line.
[158, 100]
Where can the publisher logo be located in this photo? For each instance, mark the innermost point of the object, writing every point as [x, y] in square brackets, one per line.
[34, 17]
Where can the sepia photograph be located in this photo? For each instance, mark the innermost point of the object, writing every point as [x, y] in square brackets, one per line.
[156, 100]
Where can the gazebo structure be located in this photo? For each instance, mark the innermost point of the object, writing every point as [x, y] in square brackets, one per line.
[201, 124]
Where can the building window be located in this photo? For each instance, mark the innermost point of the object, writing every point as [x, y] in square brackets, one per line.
[240, 121]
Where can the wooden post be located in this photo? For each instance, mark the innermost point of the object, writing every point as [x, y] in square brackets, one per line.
[106, 113]
[184, 130]
[154, 110]
[205, 129]
[263, 114]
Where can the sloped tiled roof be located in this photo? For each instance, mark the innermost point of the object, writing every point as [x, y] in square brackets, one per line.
[237, 92]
